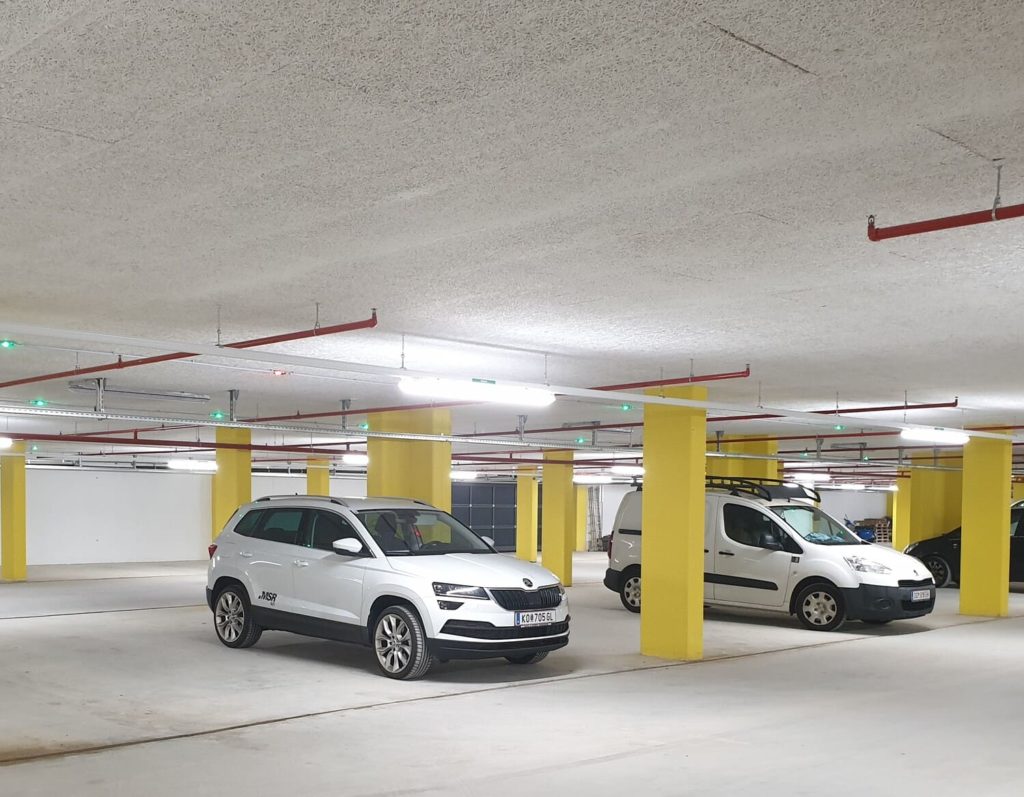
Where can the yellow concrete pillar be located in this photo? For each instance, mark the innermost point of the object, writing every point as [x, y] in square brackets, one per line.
[757, 468]
[526, 515]
[582, 504]
[901, 513]
[672, 559]
[318, 477]
[890, 503]
[935, 498]
[985, 543]
[232, 483]
[411, 468]
[13, 558]
[558, 515]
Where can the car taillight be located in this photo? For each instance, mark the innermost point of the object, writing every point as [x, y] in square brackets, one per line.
[212, 549]
[610, 538]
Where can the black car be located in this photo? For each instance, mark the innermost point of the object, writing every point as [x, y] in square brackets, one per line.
[941, 555]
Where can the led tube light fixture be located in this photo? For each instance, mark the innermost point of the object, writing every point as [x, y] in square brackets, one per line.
[627, 470]
[360, 460]
[463, 475]
[592, 478]
[951, 437]
[475, 390]
[197, 465]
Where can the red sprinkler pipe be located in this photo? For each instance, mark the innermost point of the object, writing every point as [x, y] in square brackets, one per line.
[945, 223]
[121, 364]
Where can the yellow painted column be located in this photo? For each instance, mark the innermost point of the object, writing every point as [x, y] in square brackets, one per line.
[901, 513]
[318, 477]
[13, 539]
[985, 543]
[582, 505]
[890, 504]
[935, 498]
[558, 515]
[526, 515]
[672, 558]
[232, 483]
[756, 468]
[411, 468]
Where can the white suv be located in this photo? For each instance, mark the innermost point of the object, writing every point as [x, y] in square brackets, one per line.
[766, 546]
[395, 574]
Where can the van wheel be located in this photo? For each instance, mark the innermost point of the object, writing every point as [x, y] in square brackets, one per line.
[629, 591]
[820, 607]
[400, 644]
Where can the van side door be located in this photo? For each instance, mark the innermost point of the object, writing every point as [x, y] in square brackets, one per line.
[750, 565]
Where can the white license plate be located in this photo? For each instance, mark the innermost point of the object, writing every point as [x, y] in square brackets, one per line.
[920, 594]
[525, 619]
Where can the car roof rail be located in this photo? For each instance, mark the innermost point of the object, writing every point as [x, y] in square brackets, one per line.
[331, 498]
[765, 489]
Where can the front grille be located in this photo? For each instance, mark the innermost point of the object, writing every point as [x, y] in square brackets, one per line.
[520, 599]
[924, 582]
[479, 630]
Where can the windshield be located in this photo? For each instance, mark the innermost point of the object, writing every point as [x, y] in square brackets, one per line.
[815, 526]
[420, 532]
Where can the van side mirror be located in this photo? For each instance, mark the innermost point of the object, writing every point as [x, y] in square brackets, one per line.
[770, 542]
[349, 546]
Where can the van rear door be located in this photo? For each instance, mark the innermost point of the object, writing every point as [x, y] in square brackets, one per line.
[749, 565]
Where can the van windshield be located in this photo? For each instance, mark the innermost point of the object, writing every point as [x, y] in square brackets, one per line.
[815, 526]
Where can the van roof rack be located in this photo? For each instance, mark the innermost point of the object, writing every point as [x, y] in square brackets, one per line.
[332, 499]
[766, 489]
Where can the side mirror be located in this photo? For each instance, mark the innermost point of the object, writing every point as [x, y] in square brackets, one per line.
[488, 540]
[348, 546]
[770, 543]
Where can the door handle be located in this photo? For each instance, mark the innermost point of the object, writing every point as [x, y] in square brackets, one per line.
[246, 554]
[300, 563]
[726, 553]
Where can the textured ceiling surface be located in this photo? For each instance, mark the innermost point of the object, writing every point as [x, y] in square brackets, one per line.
[622, 187]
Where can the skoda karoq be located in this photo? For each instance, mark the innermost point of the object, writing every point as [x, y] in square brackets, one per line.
[397, 575]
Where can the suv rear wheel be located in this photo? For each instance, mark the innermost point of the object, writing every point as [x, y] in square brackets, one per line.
[629, 589]
[400, 644]
[232, 618]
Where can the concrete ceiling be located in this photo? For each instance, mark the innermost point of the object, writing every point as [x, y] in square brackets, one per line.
[621, 187]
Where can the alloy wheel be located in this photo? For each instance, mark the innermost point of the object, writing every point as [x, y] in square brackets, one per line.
[229, 617]
[393, 643]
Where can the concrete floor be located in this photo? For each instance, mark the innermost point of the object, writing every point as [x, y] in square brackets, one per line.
[117, 684]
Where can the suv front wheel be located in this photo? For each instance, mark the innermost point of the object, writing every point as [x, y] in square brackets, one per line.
[400, 644]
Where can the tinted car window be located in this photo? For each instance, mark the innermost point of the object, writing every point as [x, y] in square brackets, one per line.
[328, 527]
[280, 525]
[748, 526]
[1016, 527]
[248, 523]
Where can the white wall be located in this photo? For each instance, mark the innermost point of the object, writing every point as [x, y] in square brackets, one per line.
[852, 504]
[611, 497]
[81, 516]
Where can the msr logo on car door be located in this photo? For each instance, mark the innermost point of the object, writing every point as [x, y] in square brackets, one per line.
[269, 597]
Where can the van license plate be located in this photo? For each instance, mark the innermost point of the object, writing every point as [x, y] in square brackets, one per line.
[920, 594]
[526, 619]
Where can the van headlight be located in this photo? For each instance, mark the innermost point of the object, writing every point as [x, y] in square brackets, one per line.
[443, 590]
[862, 565]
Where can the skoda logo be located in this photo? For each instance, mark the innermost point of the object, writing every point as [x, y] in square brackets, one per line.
[527, 582]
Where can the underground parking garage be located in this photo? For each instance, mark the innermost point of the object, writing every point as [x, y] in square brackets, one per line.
[441, 398]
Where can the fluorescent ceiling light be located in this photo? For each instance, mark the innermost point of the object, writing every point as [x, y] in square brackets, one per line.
[816, 463]
[850, 487]
[627, 470]
[6, 442]
[198, 465]
[810, 478]
[475, 390]
[952, 437]
[464, 475]
[355, 459]
[592, 478]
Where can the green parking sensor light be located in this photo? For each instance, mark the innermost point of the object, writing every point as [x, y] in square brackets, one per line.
[581, 439]
[38, 402]
[625, 407]
[839, 427]
[218, 415]
[364, 426]
[7, 344]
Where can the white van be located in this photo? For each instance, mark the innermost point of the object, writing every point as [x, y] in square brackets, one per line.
[766, 546]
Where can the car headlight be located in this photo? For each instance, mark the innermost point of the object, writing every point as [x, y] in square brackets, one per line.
[459, 591]
[561, 589]
[910, 548]
[862, 565]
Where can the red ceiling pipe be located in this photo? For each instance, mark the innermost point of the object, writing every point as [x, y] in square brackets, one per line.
[942, 405]
[944, 223]
[121, 364]
[678, 381]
